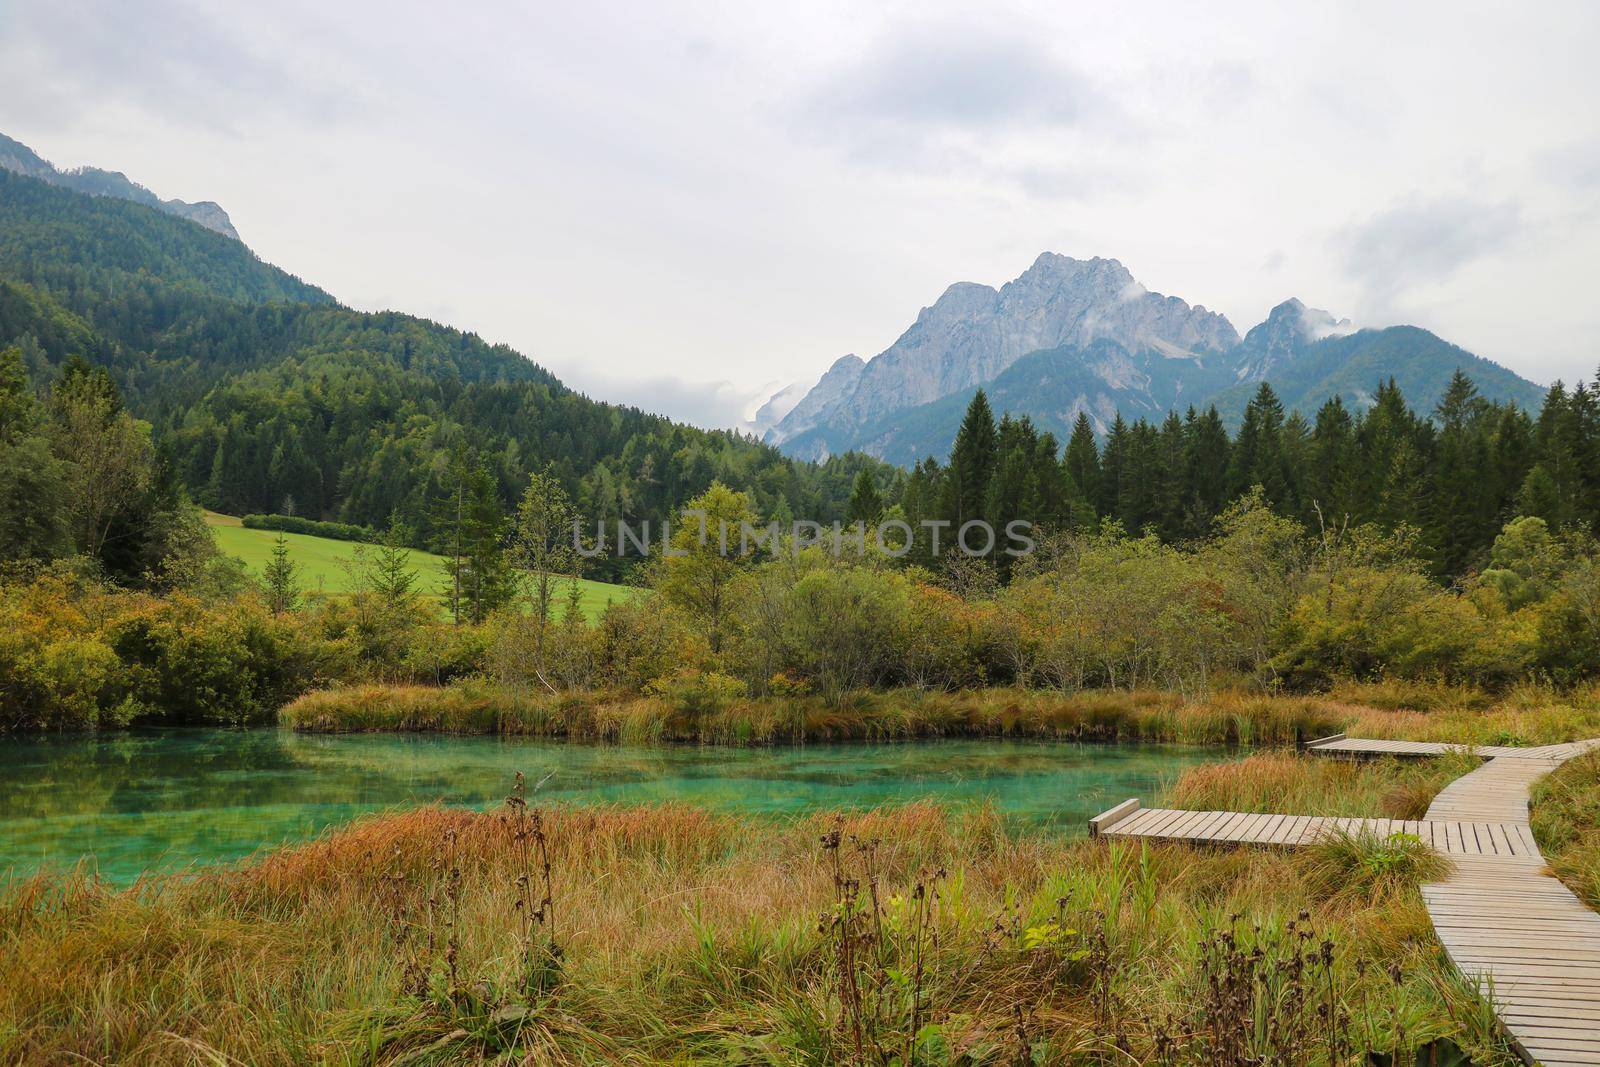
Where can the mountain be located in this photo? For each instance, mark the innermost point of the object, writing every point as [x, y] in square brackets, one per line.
[1070, 336]
[1350, 366]
[779, 403]
[974, 332]
[20, 159]
[832, 389]
[1275, 343]
[55, 237]
[261, 389]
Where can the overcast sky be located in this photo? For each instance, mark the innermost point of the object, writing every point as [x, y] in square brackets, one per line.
[682, 205]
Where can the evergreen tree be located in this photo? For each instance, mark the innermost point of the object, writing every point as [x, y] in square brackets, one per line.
[33, 482]
[1461, 513]
[390, 574]
[866, 505]
[544, 548]
[481, 579]
[1113, 463]
[972, 464]
[1171, 490]
[922, 500]
[1138, 477]
[1333, 480]
[1258, 453]
[1206, 465]
[1082, 462]
[280, 580]
[1393, 446]
[1014, 491]
[18, 410]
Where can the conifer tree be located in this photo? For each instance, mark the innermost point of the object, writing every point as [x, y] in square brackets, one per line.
[1206, 467]
[1258, 452]
[481, 579]
[280, 579]
[1460, 512]
[866, 505]
[972, 463]
[544, 549]
[1082, 463]
[390, 574]
[1113, 463]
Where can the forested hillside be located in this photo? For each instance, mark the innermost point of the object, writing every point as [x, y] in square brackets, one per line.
[266, 396]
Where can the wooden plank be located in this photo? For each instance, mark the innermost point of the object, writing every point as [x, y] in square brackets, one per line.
[1107, 819]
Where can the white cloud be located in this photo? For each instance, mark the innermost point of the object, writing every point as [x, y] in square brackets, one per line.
[1420, 242]
[725, 193]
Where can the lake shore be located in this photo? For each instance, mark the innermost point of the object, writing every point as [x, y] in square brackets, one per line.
[1530, 716]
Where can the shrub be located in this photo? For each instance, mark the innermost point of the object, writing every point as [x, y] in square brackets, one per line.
[337, 531]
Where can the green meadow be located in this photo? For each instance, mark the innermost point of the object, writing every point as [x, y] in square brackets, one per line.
[326, 565]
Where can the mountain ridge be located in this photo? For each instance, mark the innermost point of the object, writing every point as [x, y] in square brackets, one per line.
[1115, 347]
[93, 181]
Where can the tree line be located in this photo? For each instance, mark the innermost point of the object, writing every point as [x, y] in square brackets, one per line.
[1455, 475]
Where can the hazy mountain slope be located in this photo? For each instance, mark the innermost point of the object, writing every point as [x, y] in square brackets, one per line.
[19, 158]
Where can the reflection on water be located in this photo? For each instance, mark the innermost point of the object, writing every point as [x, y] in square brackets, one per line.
[163, 799]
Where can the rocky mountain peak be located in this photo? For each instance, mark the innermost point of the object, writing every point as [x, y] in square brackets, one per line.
[973, 332]
[20, 159]
[1287, 329]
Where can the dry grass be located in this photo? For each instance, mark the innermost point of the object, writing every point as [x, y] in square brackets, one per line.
[1529, 716]
[1107, 715]
[690, 937]
[1566, 823]
[1287, 784]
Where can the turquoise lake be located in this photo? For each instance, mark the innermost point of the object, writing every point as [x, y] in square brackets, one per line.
[159, 800]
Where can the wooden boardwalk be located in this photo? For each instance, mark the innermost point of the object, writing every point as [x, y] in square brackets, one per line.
[1455, 837]
[1499, 915]
[1340, 745]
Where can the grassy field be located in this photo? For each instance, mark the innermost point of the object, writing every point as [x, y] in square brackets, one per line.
[324, 564]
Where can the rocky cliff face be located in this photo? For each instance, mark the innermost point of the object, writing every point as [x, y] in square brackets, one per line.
[19, 158]
[973, 333]
[831, 390]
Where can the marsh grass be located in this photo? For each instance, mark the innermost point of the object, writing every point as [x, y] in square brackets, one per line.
[1566, 823]
[1373, 865]
[1288, 784]
[904, 935]
[1527, 716]
[484, 707]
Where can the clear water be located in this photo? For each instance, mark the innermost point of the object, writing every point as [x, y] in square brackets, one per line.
[163, 799]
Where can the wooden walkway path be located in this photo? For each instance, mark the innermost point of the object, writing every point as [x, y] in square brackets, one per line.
[1499, 915]
[1340, 745]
